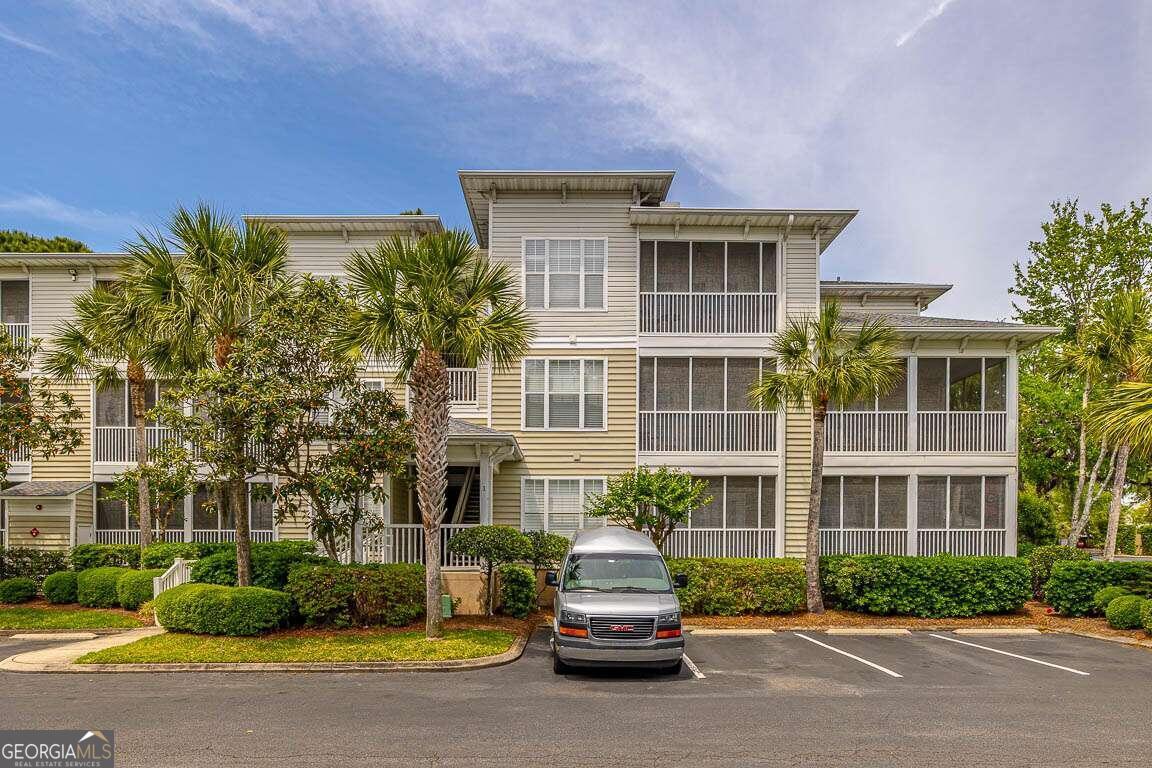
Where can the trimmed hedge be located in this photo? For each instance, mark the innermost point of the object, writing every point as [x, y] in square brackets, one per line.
[271, 562]
[1124, 612]
[135, 588]
[18, 590]
[943, 586]
[163, 554]
[96, 587]
[60, 587]
[210, 609]
[1105, 596]
[86, 556]
[1041, 560]
[734, 586]
[1075, 583]
[358, 595]
[31, 563]
[1146, 616]
[517, 590]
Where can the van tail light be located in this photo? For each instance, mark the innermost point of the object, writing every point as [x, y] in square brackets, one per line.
[664, 634]
[575, 631]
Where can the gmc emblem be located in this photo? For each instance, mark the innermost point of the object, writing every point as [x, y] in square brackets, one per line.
[623, 627]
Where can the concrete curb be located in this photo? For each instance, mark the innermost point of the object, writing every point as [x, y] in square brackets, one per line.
[6, 634]
[21, 662]
[1108, 638]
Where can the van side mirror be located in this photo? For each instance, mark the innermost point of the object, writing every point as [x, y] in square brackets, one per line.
[551, 579]
[680, 580]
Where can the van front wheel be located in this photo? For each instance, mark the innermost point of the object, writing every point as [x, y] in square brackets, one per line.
[558, 666]
[676, 668]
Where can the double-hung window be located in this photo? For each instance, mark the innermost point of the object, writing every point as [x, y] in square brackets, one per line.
[557, 504]
[564, 273]
[565, 393]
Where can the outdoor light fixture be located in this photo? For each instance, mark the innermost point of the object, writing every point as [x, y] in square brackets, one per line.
[72, 272]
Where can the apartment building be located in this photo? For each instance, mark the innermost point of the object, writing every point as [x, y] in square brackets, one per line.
[653, 320]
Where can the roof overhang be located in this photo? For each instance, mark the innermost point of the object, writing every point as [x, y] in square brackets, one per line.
[954, 329]
[499, 446]
[825, 224]
[480, 187]
[385, 224]
[924, 292]
[45, 489]
[61, 259]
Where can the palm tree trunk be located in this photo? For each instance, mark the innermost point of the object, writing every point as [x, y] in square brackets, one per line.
[812, 547]
[1114, 504]
[136, 383]
[430, 401]
[238, 500]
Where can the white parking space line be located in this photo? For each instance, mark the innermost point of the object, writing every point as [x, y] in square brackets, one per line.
[885, 670]
[1013, 655]
[695, 669]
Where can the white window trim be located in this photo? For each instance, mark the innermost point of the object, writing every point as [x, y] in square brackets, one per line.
[547, 273]
[547, 392]
[548, 479]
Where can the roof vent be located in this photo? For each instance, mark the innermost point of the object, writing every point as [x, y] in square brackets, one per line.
[669, 204]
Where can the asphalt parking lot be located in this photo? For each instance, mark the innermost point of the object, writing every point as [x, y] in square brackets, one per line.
[776, 699]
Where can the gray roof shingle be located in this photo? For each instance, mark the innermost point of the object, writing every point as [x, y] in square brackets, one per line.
[45, 489]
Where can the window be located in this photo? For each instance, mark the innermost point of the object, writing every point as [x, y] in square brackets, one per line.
[864, 502]
[114, 514]
[676, 266]
[564, 274]
[557, 504]
[699, 383]
[962, 384]
[212, 511]
[14, 301]
[961, 502]
[747, 501]
[114, 407]
[565, 394]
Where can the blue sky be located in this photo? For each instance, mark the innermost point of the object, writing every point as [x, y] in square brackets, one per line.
[949, 124]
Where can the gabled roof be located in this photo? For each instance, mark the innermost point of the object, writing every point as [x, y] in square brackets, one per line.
[478, 187]
[829, 223]
[390, 223]
[46, 489]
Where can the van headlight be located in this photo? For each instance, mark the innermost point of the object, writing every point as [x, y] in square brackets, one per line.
[669, 618]
[572, 617]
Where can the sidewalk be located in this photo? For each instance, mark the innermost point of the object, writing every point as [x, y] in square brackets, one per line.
[60, 657]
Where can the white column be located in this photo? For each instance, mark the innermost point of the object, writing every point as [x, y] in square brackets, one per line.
[485, 486]
[189, 506]
[913, 374]
[1011, 491]
[913, 493]
[1012, 374]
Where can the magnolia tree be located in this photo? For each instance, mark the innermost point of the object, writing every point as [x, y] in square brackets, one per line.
[493, 546]
[652, 502]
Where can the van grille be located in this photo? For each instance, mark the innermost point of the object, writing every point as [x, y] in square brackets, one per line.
[622, 627]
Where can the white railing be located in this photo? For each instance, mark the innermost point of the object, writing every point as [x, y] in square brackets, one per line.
[180, 572]
[228, 535]
[719, 313]
[132, 535]
[17, 331]
[22, 455]
[863, 541]
[708, 431]
[962, 431]
[462, 385]
[117, 445]
[721, 542]
[866, 431]
[404, 543]
[987, 541]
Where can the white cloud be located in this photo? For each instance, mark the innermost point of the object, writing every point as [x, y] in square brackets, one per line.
[41, 206]
[11, 37]
[933, 13]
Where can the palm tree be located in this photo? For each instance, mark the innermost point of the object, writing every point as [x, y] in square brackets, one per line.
[821, 361]
[1118, 343]
[111, 330]
[206, 293]
[420, 301]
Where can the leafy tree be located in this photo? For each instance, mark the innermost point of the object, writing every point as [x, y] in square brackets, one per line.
[545, 552]
[1049, 418]
[493, 546]
[413, 212]
[15, 241]
[170, 476]
[206, 294]
[34, 418]
[651, 502]
[420, 301]
[1034, 522]
[820, 360]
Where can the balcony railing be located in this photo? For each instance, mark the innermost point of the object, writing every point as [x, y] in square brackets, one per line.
[707, 431]
[721, 542]
[983, 541]
[717, 313]
[863, 541]
[17, 331]
[462, 385]
[207, 536]
[117, 445]
[21, 455]
[866, 431]
[404, 543]
[961, 431]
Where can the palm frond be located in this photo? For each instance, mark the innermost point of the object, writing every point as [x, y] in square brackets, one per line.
[1125, 415]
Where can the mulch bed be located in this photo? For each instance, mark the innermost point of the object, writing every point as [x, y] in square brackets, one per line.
[41, 604]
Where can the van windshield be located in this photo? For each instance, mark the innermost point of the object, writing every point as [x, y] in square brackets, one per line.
[616, 573]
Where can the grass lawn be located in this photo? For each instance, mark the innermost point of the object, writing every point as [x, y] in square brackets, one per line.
[381, 646]
[64, 617]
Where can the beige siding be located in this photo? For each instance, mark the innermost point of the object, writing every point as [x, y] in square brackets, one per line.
[77, 465]
[566, 453]
[515, 217]
[50, 298]
[53, 524]
[295, 527]
[324, 253]
[797, 479]
[84, 507]
[878, 304]
[802, 275]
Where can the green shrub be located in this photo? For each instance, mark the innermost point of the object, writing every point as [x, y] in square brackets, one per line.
[1145, 532]
[1125, 612]
[517, 590]
[271, 563]
[1034, 515]
[162, 555]
[1104, 596]
[1126, 540]
[493, 546]
[358, 595]
[135, 588]
[943, 586]
[734, 586]
[86, 556]
[96, 587]
[210, 609]
[1074, 584]
[1146, 616]
[1041, 560]
[18, 590]
[60, 587]
[31, 563]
